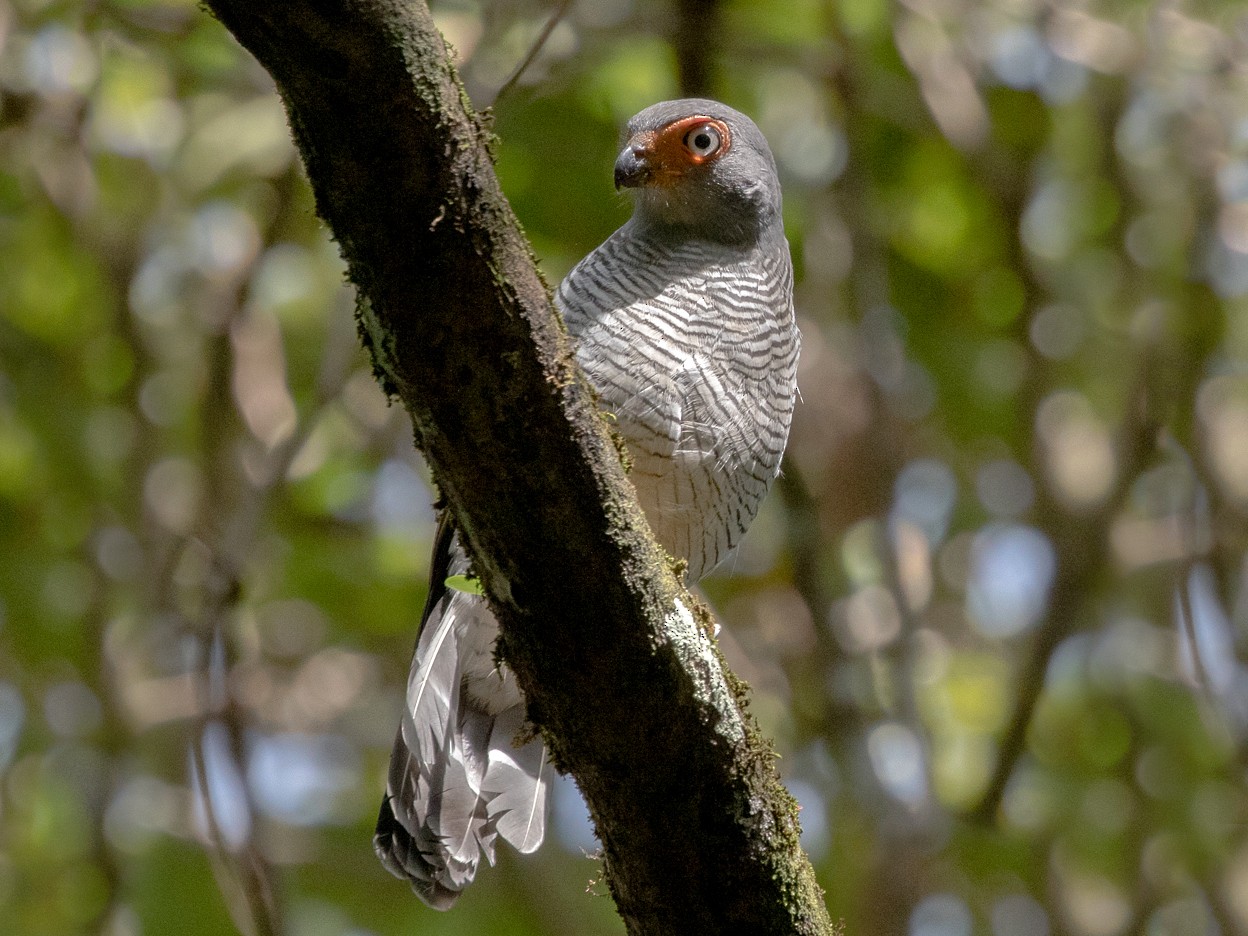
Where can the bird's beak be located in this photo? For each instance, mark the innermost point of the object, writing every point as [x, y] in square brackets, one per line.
[634, 166]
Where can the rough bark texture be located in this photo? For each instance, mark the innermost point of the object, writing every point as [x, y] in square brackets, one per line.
[698, 834]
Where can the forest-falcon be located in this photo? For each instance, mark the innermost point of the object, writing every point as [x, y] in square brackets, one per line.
[684, 324]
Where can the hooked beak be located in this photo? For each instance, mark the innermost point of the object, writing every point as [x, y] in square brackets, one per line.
[633, 167]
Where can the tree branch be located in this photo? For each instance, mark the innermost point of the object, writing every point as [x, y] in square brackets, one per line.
[698, 834]
[696, 40]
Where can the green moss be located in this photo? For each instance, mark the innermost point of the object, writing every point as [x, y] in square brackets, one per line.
[378, 342]
[617, 441]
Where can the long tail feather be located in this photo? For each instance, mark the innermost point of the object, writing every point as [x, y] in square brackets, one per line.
[458, 779]
[516, 784]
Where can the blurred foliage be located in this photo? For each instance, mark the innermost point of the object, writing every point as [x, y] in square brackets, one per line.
[995, 614]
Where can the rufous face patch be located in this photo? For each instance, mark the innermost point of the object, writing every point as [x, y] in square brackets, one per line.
[671, 151]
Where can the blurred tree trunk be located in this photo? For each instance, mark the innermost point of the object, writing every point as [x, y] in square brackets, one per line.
[696, 39]
[698, 834]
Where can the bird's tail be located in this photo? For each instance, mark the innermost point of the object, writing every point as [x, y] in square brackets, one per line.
[462, 774]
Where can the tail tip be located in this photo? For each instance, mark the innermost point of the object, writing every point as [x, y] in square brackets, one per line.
[402, 857]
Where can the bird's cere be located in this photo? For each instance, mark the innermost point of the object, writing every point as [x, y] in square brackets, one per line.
[684, 324]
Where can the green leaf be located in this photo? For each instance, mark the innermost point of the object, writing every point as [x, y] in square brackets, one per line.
[465, 583]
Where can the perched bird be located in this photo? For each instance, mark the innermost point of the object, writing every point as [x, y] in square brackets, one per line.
[684, 324]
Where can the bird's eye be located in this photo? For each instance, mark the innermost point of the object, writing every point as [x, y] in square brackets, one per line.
[703, 141]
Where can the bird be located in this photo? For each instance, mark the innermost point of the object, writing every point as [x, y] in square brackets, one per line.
[684, 324]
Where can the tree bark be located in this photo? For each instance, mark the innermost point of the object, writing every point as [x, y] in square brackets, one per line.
[698, 834]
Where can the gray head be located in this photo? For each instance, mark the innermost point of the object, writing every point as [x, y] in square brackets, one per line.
[702, 169]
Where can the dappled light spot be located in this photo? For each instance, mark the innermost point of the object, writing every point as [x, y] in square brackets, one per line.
[941, 915]
[172, 490]
[947, 87]
[135, 113]
[1109, 806]
[925, 495]
[793, 117]
[1185, 915]
[1019, 915]
[303, 779]
[165, 397]
[231, 136]
[914, 564]
[897, 759]
[816, 835]
[1012, 570]
[260, 379]
[1093, 905]
[869, 619]
[144, 808]
[67, 589]
[327, 685]
[60, 60]
[1078, 452]
[1222, 404]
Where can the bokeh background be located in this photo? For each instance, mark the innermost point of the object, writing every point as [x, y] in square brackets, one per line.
[994, 614]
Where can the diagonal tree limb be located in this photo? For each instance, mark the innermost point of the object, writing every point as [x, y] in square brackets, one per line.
[698, 834]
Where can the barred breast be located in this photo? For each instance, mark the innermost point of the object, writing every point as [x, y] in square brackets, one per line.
[692, 347]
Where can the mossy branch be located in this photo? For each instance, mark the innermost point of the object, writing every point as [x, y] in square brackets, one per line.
[698, 834]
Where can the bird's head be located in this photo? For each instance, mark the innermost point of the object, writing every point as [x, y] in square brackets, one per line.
[701, 168]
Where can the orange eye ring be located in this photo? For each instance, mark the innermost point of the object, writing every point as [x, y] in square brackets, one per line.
[702, 139]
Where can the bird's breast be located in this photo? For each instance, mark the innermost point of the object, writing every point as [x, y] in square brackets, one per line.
[697, 366]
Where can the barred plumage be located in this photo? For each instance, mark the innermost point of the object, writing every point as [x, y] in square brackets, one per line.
[694, 350]
[684, 324]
